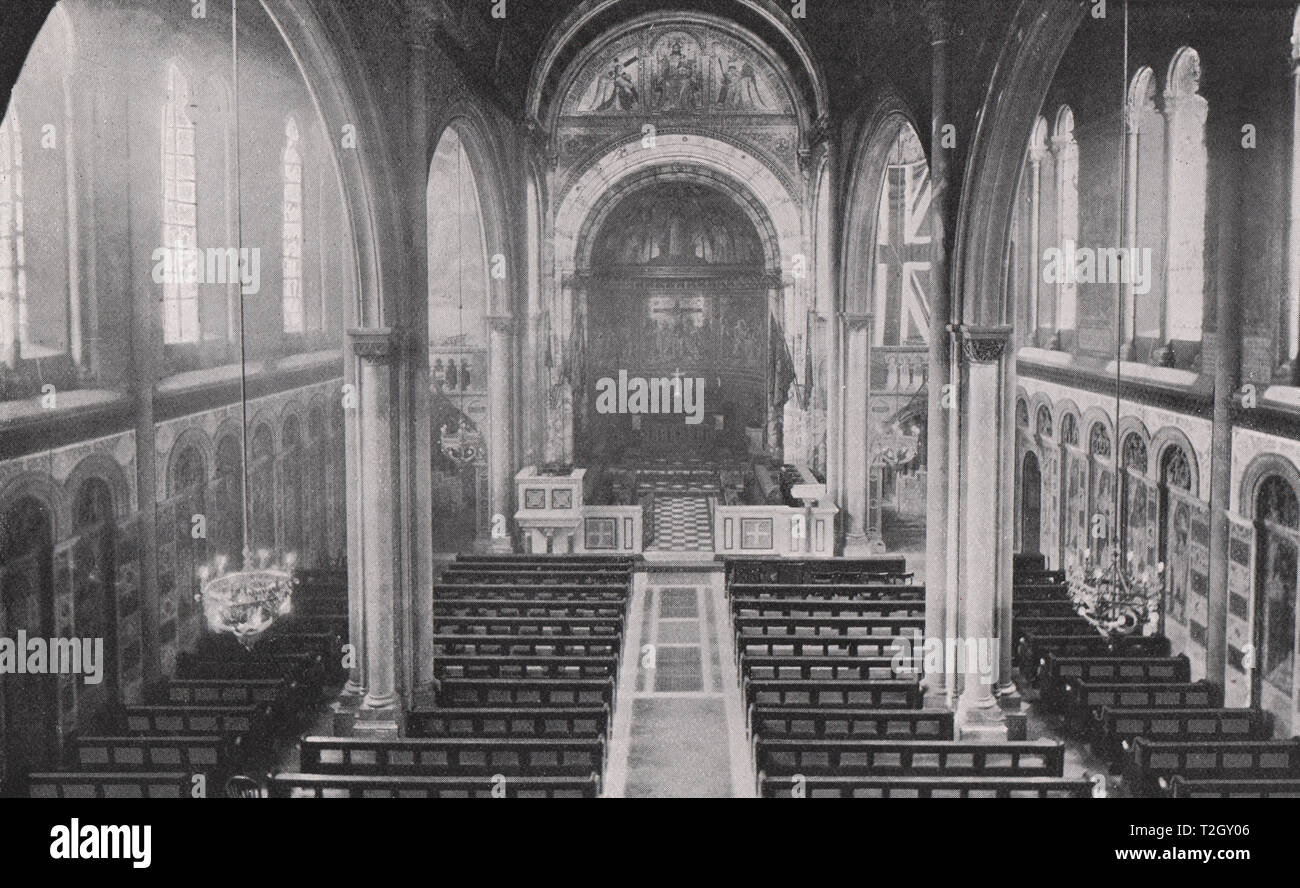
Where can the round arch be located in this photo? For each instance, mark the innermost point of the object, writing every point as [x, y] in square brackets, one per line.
[580, 20]
[317, 38]
[1260, 468]
[1158, 449]
[191, 438]
[47, 492]
[101, 467]
[1091, 417]
[473, 130]
[884, 121]
[1038, 36]
[1131, 425]
[680, 153]
[745, 200]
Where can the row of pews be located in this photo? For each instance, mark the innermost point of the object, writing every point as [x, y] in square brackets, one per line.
[834, 712]
[526, 656]
[224, 713]
[1137, 706]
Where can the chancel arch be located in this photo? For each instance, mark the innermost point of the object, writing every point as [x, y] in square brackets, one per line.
[886, 275]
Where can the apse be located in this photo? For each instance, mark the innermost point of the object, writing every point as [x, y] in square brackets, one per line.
[677, 291]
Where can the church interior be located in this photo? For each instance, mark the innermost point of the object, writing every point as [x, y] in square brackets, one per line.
[626, 398]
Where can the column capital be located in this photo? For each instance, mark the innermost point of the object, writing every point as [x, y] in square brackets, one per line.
[938, 20]
[504, 324]
[984, 344]
[375, 344]
[856, 320]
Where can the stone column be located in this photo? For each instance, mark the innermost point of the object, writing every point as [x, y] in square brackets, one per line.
[377, 349]
[939, 367]
[1037, 152]
[1227, 381]
[857, 475]
[1289, 372]
[501, 337]
[982, 489]
[1130, 191]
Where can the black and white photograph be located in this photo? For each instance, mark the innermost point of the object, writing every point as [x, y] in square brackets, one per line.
[621, 399]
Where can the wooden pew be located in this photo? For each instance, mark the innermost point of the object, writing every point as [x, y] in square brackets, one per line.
[324, 786]
[564, 692]
[845, 591]
[833, 694]
[467, 644]
[1181, 787]
[1073, 625]
[1117, 728]
[244, 725]
[791, 628]
[560, 722]
[327, 647]
[817, 609]
[545, 561]
[520, 666]
[768, 570]
[1085, 700]
[1150, 760]
[566, 627]
[1043, 608]
[1033, 650]
[465, 607]
[306, 669]
[825, 668]
[195, 754]
[1059, 671]
[854, 724]
[228, 692]
[845, 787]
[109, 785]
[886, 646]
[579, 577]
[1045, 592]
[917, 758]
[566, 594]
[454, 756]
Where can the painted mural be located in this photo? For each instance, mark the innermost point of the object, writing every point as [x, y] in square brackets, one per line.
[690, 69]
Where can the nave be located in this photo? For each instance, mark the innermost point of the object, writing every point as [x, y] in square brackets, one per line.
[593, 397]
[776, 679]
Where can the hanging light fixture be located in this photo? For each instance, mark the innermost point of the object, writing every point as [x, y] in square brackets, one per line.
[1117, 600]
[245, 602]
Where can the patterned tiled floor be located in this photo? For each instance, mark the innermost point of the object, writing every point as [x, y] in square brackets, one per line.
[679, 727]
[682, 524]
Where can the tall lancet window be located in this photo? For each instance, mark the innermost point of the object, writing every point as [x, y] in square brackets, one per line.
[1187, 163]
[1036, 202]
[180, 215]
[13, 272]
[1144, 203]
[292, 229]
[1066, 151]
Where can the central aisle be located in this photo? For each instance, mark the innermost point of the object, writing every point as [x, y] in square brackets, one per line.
[679, 728]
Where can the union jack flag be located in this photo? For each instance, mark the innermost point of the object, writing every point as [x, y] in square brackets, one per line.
[903, 267]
